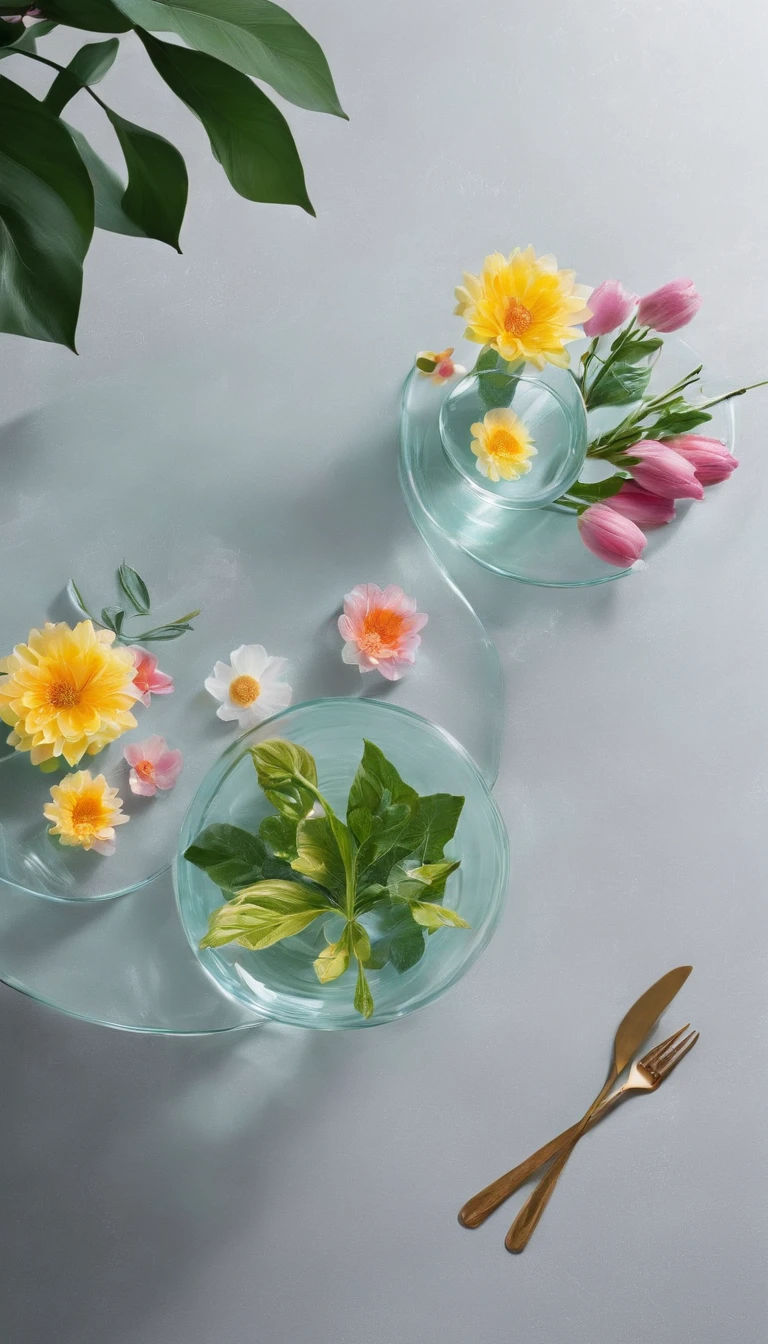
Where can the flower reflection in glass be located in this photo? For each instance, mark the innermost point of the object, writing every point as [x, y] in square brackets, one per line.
[502, 445]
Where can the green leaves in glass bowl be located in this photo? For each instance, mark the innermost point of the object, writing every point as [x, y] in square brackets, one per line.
[377, 878]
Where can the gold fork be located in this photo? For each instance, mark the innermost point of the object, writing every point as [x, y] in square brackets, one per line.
[645, 1075]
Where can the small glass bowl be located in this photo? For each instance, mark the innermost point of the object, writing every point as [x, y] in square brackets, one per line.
[554, 417]
[279, 983]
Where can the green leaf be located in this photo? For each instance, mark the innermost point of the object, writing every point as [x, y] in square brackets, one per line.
[334, 959]
[280, 834]
[248, 135]
[495, 389]
[8, 33]
[487, 360]
[379, 955]
[232, 858]
[434, 917]
[623, 383]
[164, 632]
[46, 220]
[677, 421]
[77, 599]
[156, 195]
[363, 1000]
[434, 824]
[377, 785]
[108, 190]
[95, 16]
[426, 365]
[88, 65]
[634, 351]
[264, 914]
[278, 763]
[318, 856]
[361, 943]
[591, 492]
[113, 618]
[254, 36]
[406, 948]
[135, 589]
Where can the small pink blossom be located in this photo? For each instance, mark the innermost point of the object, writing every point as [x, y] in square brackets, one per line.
[610, 536]
[663, 471]
[671, 307]
[153, 766]
[611, 305]
[709, 458]
[381, 629]
[147, 680]
[641, 505]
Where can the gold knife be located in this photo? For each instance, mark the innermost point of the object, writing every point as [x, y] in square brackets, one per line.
[631, 1033]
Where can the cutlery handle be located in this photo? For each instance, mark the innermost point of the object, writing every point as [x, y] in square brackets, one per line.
[481, 1205]
[527, 1219]
[478, 1208]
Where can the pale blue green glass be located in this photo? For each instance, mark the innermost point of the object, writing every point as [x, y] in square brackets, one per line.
[506, 528]
[279, 983]
[204, 532]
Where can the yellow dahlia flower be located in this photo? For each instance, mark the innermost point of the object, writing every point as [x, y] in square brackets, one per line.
[502, 445]
[524, 307]
[67, 692]
[85, 812]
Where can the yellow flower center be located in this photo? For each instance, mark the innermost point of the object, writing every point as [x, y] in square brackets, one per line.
[381, 630]
[517, 318]
[505, 447]
[244, 690]
[87, 813]
[145, 769]
[63, 695]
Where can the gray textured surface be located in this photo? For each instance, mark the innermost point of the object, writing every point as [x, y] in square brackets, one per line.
[280, 1187]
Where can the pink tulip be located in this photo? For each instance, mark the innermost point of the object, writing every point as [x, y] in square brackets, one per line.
[670, 307]
[153, 766]
[709, 458]
[610, 536]
[147, 679]
[663, 471]
[611, 305]
[643, 507]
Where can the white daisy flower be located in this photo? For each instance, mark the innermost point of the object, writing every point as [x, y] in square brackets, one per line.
[249, 686]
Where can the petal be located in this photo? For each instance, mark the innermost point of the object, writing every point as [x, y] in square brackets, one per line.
[346, 627]
[351, 654]
[227, 712]
[133, 753]
[250, 660]
[145, 788]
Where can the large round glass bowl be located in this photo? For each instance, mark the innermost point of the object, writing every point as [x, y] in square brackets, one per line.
[279, 982]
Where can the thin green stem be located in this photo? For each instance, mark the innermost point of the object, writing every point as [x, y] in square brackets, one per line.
[62, 70]
[343, 839]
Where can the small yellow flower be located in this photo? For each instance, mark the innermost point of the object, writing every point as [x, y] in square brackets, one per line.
[502, 445]
[523, 307]
[67, 692]
[85, 812]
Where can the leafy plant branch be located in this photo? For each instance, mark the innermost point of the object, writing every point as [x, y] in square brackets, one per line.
[55, 189]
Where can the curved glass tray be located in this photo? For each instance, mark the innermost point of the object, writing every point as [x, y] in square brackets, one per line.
[161, 483]
[538, 546]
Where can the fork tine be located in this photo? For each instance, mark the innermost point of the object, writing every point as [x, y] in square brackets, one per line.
[657, 1050]
[669, 1061]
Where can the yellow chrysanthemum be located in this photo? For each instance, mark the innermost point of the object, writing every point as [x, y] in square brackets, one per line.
[67, 692]
[524, 307]
[85, 812]
[502, 445]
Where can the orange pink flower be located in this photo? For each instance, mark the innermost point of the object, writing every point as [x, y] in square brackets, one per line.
[147, 679]
[381, 629]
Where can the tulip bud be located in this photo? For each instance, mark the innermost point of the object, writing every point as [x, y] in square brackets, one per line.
[670, 307]
[611, 305]
[709, 458]
[611, 536]
[663, 471]
[643, 507]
